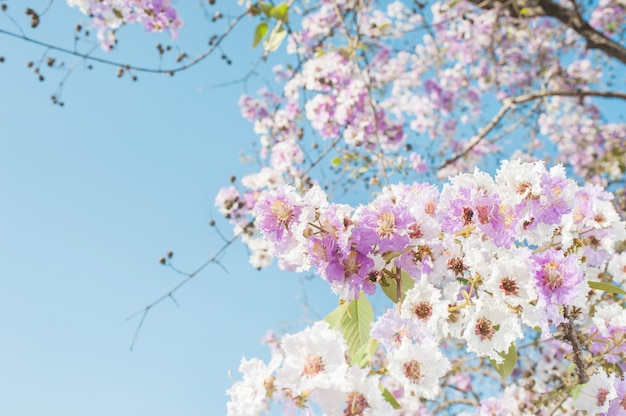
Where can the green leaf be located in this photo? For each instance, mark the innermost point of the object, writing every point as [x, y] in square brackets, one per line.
[266, 8]
[334, 318]
[576, 391]
[356, 323]
[508, 365]
[259, 33]
[336, 161]
[275, 39]
[280, 12]
[391, 290]
[390, 398]
[354, 320]
[607, 287]
[363, 356]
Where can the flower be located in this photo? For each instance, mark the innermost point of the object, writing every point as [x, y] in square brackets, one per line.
[596, 394]
[314, 358]
[249, 396]
[418, 367]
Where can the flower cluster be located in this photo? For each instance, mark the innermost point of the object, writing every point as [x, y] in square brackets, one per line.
[310, 367]
[416, 110]
[110, 15]
[481, 264]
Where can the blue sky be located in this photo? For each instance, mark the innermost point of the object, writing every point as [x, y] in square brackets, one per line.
[92, 194]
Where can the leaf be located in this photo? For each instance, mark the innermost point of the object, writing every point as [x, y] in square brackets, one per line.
[259, 33]
[390, 398]
[280, 12]
[607, 287]
[355, 324]
[576, 391]
[508, 365]
[336, 161]
[363, 356]
[266, 8]
[334, 318]
[354, 320]
[276, 37]
[391, 290]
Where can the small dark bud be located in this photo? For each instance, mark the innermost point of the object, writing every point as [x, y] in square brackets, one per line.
[1, 59]
[212, 2]
[3, 7]
[50, 61]
[233, 178]
[212, 223]
[170, 254]
[79, 28]
[134, 78]
[120, 72]
[41, 78]
[162, 260]
[30, 64]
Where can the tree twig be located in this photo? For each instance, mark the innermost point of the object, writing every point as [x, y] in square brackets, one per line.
[509, 103]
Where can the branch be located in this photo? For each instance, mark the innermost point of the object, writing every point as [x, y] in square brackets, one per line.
[144, 312]
[571, 335]
[509, 103]
[89, 57]
[570, 18]
[594, 38]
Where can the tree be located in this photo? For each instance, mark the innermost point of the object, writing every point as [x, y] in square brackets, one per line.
[505, 287]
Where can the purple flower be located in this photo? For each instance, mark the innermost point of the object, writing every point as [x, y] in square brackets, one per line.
[276, 211]
[559, 280]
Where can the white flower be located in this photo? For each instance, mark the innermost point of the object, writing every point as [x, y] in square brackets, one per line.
[605, 315]
[361, 396]
[491, 330]
[265, 178]
[248, 396]
[82, 4]
[314, 358]
[596, 394]
[418, 368]
[423, 303]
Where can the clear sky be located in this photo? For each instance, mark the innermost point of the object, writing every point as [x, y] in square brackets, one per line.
[91, 195]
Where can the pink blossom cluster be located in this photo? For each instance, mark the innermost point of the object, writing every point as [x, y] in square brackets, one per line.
[490, 259]
[526, 212]
[110, 15]
[609, 16]
[381, 80]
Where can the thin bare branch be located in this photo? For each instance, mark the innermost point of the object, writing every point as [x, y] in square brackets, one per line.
[144, 312]
[89, 57]
[510, 103]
